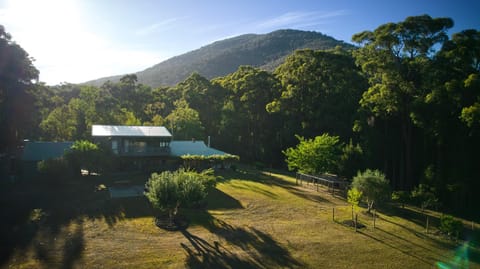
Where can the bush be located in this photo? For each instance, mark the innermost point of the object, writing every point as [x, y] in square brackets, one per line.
[53, 167]
[168, 191]
[450, 226]
[84, 155]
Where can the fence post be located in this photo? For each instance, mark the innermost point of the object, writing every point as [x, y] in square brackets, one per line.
[356, 219]
[333, 213]
[374, 215]
[426, 230]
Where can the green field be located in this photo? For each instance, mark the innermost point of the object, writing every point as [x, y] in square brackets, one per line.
[252, 220]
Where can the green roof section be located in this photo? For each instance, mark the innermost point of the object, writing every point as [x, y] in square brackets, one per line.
[181, 148]
[39, 151]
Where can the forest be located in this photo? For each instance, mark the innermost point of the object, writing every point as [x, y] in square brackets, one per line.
[405, 100]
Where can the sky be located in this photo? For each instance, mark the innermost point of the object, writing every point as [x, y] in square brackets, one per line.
[79, 40]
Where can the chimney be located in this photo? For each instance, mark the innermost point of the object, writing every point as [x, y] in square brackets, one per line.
[208, 143]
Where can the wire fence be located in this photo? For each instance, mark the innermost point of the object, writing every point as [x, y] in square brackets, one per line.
[333, 184]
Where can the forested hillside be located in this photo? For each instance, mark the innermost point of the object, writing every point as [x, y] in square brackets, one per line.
[405, 101]
[223, 57]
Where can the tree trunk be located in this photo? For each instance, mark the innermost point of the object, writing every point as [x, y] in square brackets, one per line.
[407, 143]
[352, 212]
[369, 206]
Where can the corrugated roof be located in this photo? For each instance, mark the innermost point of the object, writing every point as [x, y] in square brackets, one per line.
[38, 151]
[132, 131]
[180, 148]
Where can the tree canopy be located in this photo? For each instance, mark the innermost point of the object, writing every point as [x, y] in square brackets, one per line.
[373, 186]
[315, 156]
[17, 75]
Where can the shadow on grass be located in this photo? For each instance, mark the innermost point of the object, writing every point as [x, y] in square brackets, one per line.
[259, 248]
[401, 249]
[202, 254]
[31, 208]
[271, 180]
[62, 203]
[217, 199]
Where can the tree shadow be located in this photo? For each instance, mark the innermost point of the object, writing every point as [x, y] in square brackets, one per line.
[202, 254]
[427, 262]
[217, 199]
[31, 208]
[400, 239]
[259, 248]
[73, 248]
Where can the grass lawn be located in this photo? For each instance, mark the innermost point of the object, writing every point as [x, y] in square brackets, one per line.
[252, 220]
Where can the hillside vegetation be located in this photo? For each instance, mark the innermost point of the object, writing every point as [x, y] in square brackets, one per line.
[224, 57]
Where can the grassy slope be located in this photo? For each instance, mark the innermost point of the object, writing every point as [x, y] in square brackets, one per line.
[253, 221]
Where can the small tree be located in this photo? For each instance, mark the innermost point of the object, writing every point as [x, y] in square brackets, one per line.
[401, 197]
[315, 156]
[168, 191]
[450, 226]
[373, 185]
[353, 198]
[424, 196]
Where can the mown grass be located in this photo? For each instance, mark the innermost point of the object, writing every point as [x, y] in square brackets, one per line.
[252, 220]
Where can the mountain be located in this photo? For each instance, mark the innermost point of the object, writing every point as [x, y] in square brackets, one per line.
[220, 58]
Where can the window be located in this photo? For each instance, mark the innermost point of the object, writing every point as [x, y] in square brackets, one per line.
[115, 146]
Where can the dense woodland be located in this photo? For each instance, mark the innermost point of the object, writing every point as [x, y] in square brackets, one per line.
[406, 101]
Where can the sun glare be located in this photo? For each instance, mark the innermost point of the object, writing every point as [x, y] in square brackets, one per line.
[53, 32]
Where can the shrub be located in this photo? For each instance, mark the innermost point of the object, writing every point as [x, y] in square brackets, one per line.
[84, 154]
[53, 167]
[168, 191]
[450, 226]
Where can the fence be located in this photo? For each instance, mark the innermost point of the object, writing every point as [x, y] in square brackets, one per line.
[331, 182]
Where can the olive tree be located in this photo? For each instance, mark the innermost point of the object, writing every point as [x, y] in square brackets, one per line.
[373, 185]
[168, 191]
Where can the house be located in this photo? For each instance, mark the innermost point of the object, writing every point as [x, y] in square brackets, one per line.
[134, 141]
[149, 147]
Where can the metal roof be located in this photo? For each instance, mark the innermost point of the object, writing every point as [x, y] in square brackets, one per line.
[132, 131]
[38, 151]
[180, 148]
